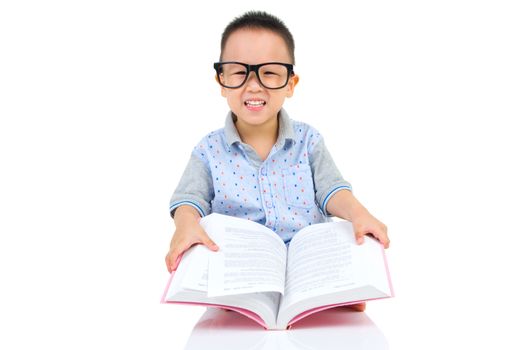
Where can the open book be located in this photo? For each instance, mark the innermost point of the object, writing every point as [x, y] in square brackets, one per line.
[256, 274]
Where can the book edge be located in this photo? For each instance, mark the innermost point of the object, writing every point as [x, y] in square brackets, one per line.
[387, 270]
[326, 307]
[164, 296]
[245, 312]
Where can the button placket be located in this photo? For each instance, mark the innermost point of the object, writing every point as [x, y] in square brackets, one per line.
[265, 185]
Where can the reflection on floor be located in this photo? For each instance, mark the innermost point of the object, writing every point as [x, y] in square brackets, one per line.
[331, 329]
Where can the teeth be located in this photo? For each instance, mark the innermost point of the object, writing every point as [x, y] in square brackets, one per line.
[255, 103]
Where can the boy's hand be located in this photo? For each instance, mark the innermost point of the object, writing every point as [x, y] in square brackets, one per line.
[188, 233]
[365, 223]
[343, 204]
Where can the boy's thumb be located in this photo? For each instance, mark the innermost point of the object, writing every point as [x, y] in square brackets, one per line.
[208, 242]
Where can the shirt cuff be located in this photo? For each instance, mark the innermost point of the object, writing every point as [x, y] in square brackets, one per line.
[330, 194]
[175, 205]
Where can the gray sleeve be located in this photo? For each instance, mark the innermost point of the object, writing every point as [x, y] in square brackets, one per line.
[195, 188]
[327, 178]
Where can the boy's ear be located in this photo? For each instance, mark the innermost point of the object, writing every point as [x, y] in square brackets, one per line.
[291, 85]
[222, 89]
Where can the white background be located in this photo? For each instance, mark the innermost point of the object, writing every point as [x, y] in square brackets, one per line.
[421, 103]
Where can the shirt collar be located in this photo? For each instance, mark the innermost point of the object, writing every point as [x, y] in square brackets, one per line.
[286, 135]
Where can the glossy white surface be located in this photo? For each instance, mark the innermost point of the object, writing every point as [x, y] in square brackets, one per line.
[334, 329]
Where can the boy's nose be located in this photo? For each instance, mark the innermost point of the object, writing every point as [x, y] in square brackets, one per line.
[252, 82]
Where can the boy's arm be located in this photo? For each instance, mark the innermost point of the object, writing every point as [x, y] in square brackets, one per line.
[195, 188]
[326, 177]
[343, 204]
[190, 201]
[335, 197]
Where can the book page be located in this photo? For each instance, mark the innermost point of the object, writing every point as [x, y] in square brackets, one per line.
[196, 271]
[325, 259]
[251, 258]
[191, 273]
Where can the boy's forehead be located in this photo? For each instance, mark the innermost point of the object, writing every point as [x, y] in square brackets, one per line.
[254, 46]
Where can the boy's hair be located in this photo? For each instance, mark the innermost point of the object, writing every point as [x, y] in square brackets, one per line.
[259, 20]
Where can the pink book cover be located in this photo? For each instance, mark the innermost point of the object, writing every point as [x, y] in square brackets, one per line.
[253, 316]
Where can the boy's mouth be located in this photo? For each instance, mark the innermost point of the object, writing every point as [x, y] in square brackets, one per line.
[255, 103]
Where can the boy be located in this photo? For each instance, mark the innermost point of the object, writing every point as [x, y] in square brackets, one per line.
[262, 166]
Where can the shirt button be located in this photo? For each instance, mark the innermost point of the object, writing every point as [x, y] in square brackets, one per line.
[263, 171]
[268, 204]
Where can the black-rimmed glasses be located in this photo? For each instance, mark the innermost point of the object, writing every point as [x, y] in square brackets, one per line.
[272, 75]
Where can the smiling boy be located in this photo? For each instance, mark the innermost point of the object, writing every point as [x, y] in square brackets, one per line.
[262, 165]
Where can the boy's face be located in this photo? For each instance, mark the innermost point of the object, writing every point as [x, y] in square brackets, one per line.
[253, 104]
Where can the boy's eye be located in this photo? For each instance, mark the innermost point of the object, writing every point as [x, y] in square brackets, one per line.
[236, 72]
[268, 72]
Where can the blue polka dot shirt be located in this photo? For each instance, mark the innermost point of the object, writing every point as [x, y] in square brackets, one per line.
[285, 192]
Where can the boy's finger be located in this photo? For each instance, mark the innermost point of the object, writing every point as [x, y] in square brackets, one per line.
[359, 238]
[208, 242]
[382, 238]
[168, 264]
[173, 256]
[170, 260]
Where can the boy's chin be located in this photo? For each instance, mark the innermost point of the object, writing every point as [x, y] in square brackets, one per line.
[255, 119]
